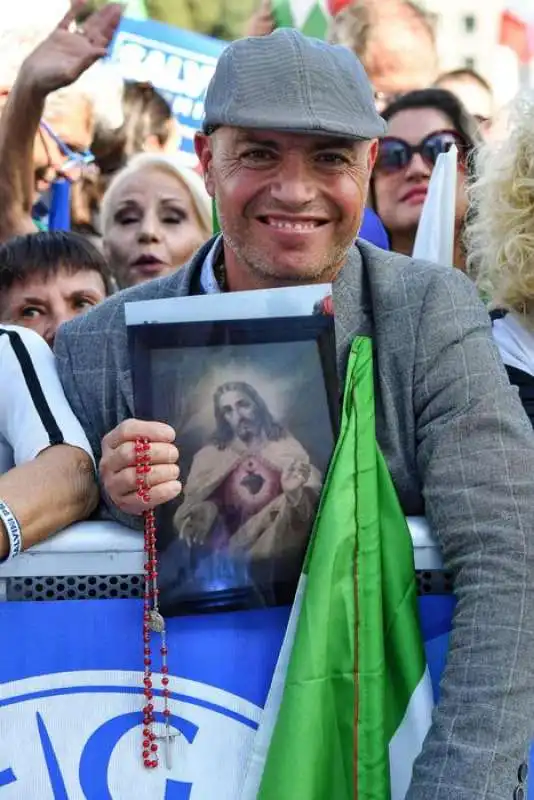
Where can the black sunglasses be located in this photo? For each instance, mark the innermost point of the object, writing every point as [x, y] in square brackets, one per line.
[395, 154]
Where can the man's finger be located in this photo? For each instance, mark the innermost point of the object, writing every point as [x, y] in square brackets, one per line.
[131, 504]
[125, 482]
[104, 22]
[124, 456]
[132, 429]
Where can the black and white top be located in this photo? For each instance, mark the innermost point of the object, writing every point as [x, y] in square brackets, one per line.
[34, 413]
[516, 346]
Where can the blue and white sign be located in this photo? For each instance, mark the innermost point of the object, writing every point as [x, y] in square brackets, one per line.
[71, 680]
[178, 63]
[71, 694]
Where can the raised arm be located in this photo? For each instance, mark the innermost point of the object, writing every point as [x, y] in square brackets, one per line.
[56, 63]
[18, 127]
[52, 481]
[476, 460]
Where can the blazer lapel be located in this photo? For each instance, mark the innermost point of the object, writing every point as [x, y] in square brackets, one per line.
[352, 306]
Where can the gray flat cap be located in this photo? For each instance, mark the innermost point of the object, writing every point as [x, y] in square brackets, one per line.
[290, 82]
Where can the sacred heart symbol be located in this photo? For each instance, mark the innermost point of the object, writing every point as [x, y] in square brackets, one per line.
[253, 482]
[251, 486]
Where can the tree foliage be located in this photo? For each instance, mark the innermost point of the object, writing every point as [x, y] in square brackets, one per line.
[224, 19]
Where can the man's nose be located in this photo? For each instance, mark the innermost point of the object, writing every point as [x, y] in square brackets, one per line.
[294, 185]
[49, 333]
[61, 314]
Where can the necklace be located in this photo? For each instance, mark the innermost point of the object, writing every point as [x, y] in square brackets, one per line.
[153, 622]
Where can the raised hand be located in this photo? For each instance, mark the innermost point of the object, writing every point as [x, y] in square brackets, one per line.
[117, 465]
[70, 49]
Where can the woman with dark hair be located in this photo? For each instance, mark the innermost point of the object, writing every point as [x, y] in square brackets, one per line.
[421, 125]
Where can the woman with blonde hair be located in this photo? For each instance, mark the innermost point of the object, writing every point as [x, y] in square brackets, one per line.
[155, 214]
[500, 241]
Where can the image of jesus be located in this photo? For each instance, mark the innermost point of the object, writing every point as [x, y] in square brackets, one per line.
[252, 488]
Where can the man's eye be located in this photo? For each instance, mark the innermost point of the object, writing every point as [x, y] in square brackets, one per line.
[84, 303]
[258, 155]
[31, 312]
[332, 159]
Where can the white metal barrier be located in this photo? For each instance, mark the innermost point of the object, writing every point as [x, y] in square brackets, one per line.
[109, 549]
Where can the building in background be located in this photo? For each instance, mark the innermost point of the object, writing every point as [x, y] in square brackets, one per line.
[470, 34]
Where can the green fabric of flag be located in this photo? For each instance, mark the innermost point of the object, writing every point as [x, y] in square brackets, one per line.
[215, 218]
[309, 16]
[357, 676]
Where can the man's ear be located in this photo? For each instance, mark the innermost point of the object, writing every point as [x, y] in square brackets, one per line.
[204, 151]
[372, 154]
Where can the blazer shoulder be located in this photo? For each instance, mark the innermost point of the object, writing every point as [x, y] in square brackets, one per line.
[397, 279]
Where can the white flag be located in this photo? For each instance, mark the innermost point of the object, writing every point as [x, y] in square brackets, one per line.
[434, 240]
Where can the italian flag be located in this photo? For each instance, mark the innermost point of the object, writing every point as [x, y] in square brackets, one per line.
[312, 17]
[351, 699]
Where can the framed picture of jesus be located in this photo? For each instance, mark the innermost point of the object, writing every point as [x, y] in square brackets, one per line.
[254, 404]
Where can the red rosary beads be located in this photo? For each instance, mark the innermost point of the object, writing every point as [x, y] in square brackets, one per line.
[152, 619]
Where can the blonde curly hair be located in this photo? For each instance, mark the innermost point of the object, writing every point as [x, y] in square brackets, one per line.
[500, 233]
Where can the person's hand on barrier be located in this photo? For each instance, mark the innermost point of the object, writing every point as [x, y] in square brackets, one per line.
[118, 471]
[262, 22]
[71, 49]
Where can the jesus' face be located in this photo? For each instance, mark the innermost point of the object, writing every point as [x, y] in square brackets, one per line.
[241, 414]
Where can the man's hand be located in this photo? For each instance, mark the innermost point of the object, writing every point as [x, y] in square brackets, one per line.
[117, 465]
[69, 51]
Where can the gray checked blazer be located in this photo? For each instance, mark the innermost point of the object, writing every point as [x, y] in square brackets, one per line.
[460, 450]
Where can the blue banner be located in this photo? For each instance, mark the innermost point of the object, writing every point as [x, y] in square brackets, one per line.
[71, 694]
[178, 63]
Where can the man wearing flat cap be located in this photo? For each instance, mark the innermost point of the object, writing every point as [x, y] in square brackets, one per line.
[288, 145]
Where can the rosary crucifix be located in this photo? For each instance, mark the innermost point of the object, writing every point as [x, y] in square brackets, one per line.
[167, 737]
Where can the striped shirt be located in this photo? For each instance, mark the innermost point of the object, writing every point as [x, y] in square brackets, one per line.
[34, 413]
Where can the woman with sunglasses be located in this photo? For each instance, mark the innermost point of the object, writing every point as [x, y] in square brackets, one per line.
[421, 125]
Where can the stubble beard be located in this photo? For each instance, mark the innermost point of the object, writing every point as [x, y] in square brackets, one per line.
[259, 265]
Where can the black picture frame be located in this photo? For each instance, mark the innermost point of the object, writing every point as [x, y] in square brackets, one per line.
[240, 581]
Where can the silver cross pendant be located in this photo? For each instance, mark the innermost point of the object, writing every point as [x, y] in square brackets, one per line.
[167, 738]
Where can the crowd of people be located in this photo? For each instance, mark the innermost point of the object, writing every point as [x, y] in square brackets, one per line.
[348, 147]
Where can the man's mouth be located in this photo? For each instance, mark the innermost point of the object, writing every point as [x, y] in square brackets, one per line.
[303, 225]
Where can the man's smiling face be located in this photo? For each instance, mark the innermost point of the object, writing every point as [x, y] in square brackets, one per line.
[289, 204]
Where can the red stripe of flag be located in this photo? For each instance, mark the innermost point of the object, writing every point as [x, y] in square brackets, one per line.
[335, 6]
[517, 34]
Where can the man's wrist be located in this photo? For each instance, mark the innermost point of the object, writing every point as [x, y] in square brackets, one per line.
[4, 542]
[29, 87]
